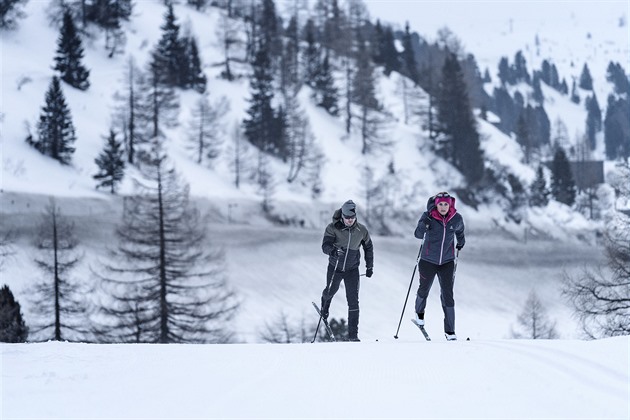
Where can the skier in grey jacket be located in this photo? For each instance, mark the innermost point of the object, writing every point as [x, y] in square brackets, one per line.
[442, 224]
[342, 240]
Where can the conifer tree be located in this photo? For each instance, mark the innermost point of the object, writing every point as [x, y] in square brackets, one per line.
[13, 329]
[192, 72]
[167, 284]
[562, 184]
[408, 56]
[539, 193]
[261, 127]
[325, 91]
[386, 55]
[575, 95]
[505, 72]
[586, 81]
[111, 164]
[617, 75]
[617, 128]
[593, 120]
[520, 72]
[55, 129]
[169, 60]
[459, 141]
[524, 137]
[311, 55]
[59, 303]
[69, 55]
[290, 69]
[537, 90]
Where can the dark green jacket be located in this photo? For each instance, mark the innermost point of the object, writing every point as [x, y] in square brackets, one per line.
[350, 239]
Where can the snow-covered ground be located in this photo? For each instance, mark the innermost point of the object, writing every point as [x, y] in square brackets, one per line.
[409, 379]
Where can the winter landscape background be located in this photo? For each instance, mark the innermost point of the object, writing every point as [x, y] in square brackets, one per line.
[277, 270]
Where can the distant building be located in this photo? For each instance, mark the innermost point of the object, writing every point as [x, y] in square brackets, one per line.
[586, 173]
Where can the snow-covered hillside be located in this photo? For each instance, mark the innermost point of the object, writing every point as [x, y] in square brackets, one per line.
[27, 69]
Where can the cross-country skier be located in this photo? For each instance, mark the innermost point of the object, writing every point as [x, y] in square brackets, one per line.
[341, 243]
[442, 225]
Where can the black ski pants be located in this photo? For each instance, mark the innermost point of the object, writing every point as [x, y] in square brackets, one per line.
[445, 277]
[351, 282]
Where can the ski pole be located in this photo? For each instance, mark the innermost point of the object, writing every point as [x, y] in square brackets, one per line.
[321, 311]
[410, 283]
[455, 267]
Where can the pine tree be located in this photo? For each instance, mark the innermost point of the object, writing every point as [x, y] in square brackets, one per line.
[290, 69]
[539, 193]
[59, 303]
[562, 184]
[325, 91]
[617, 75]
[593, 120]
[537, 94]
[111, 164]
[13, 329]
[311, 55]
[165, 283]
[575, 95]
[69, 55]
[194, 77]
[617, 128]
[409, 63]
[586, 81]
[523, 137]
[459, 141]
[169, 59]
[387, 55]
[261, 125]
[520, 68]
[55, 129]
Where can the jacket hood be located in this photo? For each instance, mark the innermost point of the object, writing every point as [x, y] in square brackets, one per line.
[431, 204]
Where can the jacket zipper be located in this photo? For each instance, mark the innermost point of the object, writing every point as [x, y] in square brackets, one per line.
[347, 249]
[442, 246]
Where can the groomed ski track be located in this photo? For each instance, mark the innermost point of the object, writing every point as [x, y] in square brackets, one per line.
[405, 378]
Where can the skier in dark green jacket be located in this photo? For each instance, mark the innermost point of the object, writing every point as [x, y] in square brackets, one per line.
[342, 240]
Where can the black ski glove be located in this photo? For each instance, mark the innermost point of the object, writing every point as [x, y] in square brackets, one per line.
[459, 247]
[369, 272]
[338, 252]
